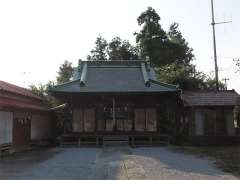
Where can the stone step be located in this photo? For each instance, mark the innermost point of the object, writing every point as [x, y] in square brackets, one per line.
[115, 143]
[115, 140]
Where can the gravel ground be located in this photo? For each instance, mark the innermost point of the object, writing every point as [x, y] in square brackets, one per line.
[120, 163]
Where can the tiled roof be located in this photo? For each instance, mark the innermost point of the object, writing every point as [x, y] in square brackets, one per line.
[4, 86]
[210, 98]
[15, 97]
[13, 103]
[114, 76]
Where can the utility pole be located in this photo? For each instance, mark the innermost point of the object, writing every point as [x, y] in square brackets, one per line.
[214, 47]
[225, 82]
[214, 44]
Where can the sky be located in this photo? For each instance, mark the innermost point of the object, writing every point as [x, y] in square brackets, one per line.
[37, 36]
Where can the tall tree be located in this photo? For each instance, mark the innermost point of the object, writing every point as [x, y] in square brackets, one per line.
[99, 52]
[182, 53]
[65, 72]
[152, 39]
[119, 49]
[160, 46]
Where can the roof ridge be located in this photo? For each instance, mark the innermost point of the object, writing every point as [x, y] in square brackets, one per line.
[15, 89]
[210, 91]
[66, 83]
[164, 84]
[113, 60]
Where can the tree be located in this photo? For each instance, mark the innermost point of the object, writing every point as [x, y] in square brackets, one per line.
[160, 46]
[99, 52]
[42, 90]
[65, 72]
[121, 50]
[39, 89]
[186, 77]
[210, 84]
[152, 39]
[182, 53]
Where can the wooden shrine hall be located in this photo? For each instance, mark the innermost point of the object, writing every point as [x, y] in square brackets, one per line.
[118, 101]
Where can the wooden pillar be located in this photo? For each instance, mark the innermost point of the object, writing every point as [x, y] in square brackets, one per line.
[114, 118]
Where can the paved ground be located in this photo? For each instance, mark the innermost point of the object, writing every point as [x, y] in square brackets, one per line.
[109, 163]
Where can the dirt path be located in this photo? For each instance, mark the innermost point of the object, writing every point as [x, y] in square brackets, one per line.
[118, 163]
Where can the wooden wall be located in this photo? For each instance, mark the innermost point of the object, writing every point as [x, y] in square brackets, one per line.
[40, 126]
[145, 119]
[83, 120]
[211, 122]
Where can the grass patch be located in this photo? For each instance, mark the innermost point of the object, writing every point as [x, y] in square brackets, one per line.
[225, 158]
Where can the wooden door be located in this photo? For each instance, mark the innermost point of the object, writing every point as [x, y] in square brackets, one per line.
[77, 120]
[21, 131]
[209, 123]
[89, 120]
[151, 119]
[221, 129]
[139, 119]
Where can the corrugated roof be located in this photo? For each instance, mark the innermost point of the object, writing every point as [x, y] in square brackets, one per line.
[114, 76]
[210, 98]
[4, 86]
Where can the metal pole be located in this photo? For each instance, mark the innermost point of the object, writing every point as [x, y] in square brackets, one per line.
[214, 47]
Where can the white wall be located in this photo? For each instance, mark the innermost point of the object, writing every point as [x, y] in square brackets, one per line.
[6, 126]
[40, 127]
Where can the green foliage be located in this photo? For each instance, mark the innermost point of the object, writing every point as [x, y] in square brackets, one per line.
[119, 49]
[182, 53]
[170, 54]
[160, 46]
[39, 89]
[210, 84]
[152, 39]
[42, 90]
[65, 72]
[186, 77]
[99, 52]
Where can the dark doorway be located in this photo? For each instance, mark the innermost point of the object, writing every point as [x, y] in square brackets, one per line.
[21, 131]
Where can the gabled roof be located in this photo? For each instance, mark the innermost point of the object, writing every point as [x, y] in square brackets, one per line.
[15, 97]
[14, 103]
[210, 98]
[4, 86]
[114, 76]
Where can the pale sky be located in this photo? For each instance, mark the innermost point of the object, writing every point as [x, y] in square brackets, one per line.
[37, 36]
